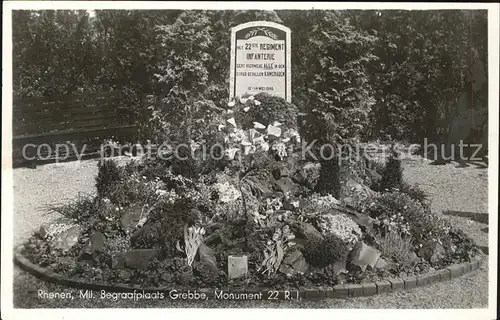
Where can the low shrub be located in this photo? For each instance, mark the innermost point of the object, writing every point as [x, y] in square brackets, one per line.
[80, 209]
[109, 174]
[464, 247]
[165, 226]
[416, 194]
[394, 246]
[399, 212]
[269, 109]
[341, 226]
[317, 203]
[135, 189]
[323, 252]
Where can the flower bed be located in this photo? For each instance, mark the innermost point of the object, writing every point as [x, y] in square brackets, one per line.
[178, 221]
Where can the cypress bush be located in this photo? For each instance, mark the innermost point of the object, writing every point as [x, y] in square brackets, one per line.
[392, 177]
[108, 175]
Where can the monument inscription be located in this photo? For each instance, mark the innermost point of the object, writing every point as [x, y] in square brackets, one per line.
[261, 59]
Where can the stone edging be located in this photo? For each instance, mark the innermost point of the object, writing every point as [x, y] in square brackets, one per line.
[337, 291]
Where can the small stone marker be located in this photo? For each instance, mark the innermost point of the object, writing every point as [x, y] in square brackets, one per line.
[261, 60]
[237, 266]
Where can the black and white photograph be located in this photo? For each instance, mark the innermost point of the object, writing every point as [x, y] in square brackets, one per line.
[170, 156]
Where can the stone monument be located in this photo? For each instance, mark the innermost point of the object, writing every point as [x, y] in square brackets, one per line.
[261, 60]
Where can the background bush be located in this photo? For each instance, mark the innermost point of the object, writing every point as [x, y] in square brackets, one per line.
[392, 176]
[108, 175]
[369, 73]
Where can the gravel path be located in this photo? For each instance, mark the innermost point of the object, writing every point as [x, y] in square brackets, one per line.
[451, 188]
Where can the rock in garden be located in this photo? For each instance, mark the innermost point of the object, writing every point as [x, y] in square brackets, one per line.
[432, 252]
[207, 257]
[281, 172]
[260, 186]
[294, 263]
[363, 255]
[413, 258]
[237, 266]
[96, 242]
[374, 176]
[381, 264]
[52, 229]
[364, 221]
[353, 192]
[307, 231]
[66, 239]
[134, 259]
[339, 267]
[130, 218]
[287, 186]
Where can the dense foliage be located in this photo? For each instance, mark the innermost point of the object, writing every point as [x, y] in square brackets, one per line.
[176, 215]
[324, 252]
[397, 73]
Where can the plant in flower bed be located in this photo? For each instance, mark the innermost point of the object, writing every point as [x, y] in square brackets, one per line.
[167, 222]
[432, 238]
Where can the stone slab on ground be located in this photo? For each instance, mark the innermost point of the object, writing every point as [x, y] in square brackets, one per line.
[237, 266]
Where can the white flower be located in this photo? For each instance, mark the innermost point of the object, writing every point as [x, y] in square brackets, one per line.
[231, 104]
[273, 130]
[256, 102]
[295, 204]
[251, 98]
[264, 146]
[341, 226]
[194, 145]
[227, 192]
[258, 140]
[238, 135]
[246, 143]
[230, 111]
[250, 149]
[231, 153]
[246, 109]
[292, 133]
[281, 149]
[243, 100]
[232, 121]
[258, 125]
[160, 192]
[220, 127]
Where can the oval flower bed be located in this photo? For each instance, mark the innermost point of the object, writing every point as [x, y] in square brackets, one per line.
[252, 215]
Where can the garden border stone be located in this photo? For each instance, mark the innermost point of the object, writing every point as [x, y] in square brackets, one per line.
[338, 291]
